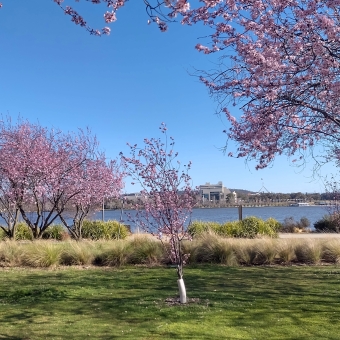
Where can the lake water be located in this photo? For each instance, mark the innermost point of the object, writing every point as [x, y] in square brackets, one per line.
[313, 213]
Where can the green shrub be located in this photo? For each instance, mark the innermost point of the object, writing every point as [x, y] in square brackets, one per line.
[55, 232]
[199, 227]
[3, 235]
[229, 229]
[328, 223]
[272, 227]
[291, 226]
[250, 227]
[23, 232]
[109, 230]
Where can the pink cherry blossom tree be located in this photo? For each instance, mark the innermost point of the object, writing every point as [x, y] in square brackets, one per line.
[168, 196]
[45, 172]
[8, 209]
[90, 184]
[279, 66]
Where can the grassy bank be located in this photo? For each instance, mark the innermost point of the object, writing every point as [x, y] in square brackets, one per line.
[131, 303]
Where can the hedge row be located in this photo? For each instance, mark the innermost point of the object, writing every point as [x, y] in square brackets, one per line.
[249, 227]
[93, 230]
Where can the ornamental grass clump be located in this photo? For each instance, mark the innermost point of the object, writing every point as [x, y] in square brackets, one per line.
[309, 251]
[145, 250]
[266, 251]
[212, 248]
[113, 254]
[78, 253]
[286, 251]
[331, 251]
[10, 253]
[41, 254]
[245, 251]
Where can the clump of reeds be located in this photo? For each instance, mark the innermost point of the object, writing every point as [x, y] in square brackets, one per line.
[78, 253]
[331, 251]
[266, 251]
[286, 251]
[113, 254]
[246, 251]
[10, 254]
[212, 248]
[41, 254]
[308, 251]
[146, 250]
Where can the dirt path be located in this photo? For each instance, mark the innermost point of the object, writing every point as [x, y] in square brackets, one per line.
[309, 235]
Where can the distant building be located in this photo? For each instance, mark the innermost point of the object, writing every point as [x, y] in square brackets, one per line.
[133, 196]
[214, 192]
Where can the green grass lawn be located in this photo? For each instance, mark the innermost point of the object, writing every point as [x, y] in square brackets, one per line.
[262, 303]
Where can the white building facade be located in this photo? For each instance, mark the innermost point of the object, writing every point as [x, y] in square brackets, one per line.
[214, 192]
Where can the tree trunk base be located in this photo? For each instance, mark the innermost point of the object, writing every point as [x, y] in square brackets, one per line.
[182, 291]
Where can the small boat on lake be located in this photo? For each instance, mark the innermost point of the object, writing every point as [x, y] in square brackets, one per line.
[299, 204]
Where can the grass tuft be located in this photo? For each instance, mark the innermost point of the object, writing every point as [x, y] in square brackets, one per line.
[41, 254]
[78, 253]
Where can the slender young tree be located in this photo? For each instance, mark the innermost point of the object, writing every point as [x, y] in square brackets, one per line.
[168, 197]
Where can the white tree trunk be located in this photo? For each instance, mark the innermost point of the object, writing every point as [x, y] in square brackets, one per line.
[182, 291]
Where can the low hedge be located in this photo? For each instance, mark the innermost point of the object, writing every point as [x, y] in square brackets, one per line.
[55, 232]
[94, 230]
[328, 224]
[250, 227]
[109, 230]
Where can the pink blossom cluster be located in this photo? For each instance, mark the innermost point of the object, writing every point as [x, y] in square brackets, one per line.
[279, 67]
[109, 16]
[158, 15]
[53, 175]
[168, 197]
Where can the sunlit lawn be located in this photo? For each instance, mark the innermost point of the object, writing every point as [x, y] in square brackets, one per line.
[230, 303]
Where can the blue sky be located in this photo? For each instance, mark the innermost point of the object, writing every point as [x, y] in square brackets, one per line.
[122, 87]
